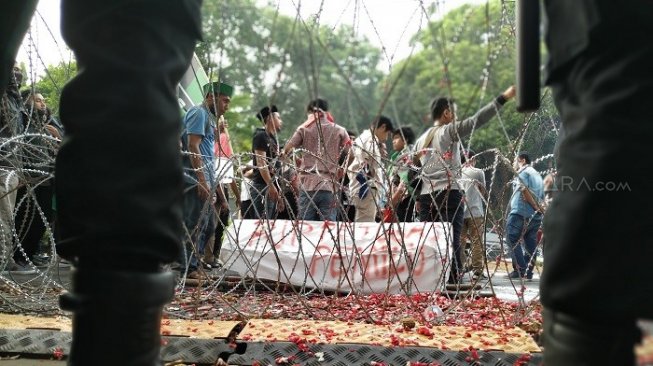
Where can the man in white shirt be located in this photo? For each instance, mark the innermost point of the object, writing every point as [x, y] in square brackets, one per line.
[366, 176]
[473, 184]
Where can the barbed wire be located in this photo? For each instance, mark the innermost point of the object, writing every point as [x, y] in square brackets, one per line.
[257, 277]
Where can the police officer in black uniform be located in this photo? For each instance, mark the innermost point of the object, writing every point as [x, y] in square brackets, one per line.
[597, 277]
[119, 172]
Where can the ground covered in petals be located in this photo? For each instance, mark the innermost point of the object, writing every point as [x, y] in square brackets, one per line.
[380, 309]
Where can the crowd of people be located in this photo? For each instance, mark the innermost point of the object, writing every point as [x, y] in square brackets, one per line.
[322, 173]
[325, 173]
[599, 63]
[30, 137]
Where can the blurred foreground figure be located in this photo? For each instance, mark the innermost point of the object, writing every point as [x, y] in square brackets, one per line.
[119, 173]
[597, 277]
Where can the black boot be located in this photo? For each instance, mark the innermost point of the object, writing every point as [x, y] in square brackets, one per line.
[569, 340]
[117, 317]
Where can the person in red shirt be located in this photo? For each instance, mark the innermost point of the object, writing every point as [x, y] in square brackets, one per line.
[224, 173]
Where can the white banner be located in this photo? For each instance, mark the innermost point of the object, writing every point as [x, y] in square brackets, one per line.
[337, 256]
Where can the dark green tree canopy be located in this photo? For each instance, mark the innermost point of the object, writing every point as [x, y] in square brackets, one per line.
[272, 58]
[288, 61]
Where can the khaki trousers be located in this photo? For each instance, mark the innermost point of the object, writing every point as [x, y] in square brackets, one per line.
[366, 207]
[473, 231]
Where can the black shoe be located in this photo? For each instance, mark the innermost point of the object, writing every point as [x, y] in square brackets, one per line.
[117, 302]
[41, 260]
[515, 275]
[453, 280]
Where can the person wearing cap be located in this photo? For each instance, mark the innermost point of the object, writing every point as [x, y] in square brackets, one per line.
[366, 176]
[321, 171]
[265, 191]
[438, 149]
[198, 139]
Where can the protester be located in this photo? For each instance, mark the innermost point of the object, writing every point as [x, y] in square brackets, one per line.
[265, 191]
[524, 217]
[225, 175]
[12, 121]
[439, 148]
[403, 175]
[198, 138]
[322, 141]
[367, 179]
[473, 184]
[34, 196]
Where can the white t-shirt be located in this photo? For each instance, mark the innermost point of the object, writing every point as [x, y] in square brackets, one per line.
[244, 186]
[367, 153]
[244, 189]
[470, 180]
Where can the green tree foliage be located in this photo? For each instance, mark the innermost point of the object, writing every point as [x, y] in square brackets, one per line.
[52, 83]
[287, 62]
[240, 123]
[272, 58]
[468, 55]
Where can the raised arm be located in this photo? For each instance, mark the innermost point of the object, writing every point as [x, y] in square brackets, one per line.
[463, 128]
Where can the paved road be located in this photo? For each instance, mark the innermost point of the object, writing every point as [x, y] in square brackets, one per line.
[31, 362]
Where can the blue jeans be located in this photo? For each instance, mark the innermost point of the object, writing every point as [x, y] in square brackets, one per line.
[523, 228]
[199, 219]
[263, 207]
[317, 205]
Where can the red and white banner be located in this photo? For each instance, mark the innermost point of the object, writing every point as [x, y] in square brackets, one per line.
[337, 256]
